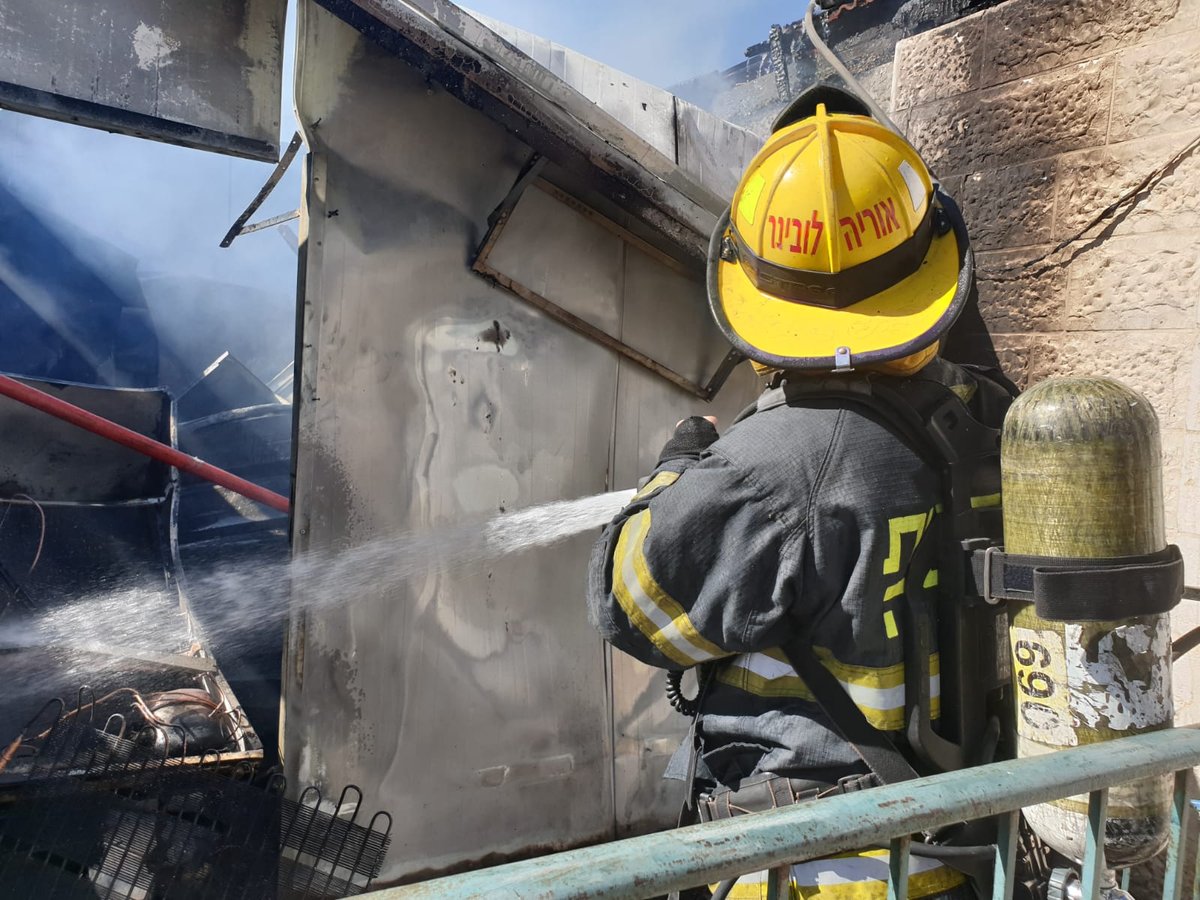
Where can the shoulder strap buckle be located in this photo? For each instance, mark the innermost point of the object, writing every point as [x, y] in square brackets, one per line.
[988, 555]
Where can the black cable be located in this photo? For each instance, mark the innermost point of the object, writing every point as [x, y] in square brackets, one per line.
[941, 851]
[687, 706]
[15, 591]
[1185, 644]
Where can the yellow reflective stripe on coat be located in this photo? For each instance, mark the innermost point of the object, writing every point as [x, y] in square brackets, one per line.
[853, 876]
[878, 692]
[661, 480]
[897, 589]
[648, 606]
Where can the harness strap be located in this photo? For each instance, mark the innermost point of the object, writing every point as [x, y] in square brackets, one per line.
[1081, 589]
[765, 792]
[938, 426]
[882, 757]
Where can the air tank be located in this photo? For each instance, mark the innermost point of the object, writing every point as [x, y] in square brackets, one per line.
[1082, 477]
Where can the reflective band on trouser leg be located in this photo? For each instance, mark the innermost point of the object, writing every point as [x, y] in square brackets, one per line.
[854, 876]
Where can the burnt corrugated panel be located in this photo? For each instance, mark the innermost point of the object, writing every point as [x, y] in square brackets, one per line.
[225, 385]
[51, 460]
[202, 75]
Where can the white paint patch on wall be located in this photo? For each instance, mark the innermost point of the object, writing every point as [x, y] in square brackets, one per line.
[152, 47]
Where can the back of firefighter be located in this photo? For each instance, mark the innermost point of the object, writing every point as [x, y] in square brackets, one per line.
[839, 262]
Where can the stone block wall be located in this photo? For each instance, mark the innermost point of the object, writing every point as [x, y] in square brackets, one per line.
[864, 36]
[1070, 134]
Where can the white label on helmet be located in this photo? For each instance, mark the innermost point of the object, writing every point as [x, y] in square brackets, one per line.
[916, 187]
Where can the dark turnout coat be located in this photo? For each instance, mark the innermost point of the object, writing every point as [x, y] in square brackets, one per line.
[801, 519]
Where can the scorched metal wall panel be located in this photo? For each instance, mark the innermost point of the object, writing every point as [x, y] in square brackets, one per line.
[199, 74]
[472, 704]
[672, 319]
[478, 705]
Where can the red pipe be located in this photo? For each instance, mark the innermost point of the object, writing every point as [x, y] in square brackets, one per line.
[101, 426]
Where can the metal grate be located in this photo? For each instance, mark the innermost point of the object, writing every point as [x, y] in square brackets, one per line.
[86, 812]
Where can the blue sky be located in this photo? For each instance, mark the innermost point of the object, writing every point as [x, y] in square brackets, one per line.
[169, 206]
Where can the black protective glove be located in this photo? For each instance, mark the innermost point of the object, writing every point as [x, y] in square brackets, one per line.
[692, 437]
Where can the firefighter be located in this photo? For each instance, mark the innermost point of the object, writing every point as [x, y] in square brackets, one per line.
[804, 533]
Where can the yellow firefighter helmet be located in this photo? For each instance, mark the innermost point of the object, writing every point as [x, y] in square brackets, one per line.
[839, 250]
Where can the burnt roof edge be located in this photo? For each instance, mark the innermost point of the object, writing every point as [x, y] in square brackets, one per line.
[487, 73]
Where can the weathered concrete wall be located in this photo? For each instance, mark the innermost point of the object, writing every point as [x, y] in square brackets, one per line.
[1039, 117]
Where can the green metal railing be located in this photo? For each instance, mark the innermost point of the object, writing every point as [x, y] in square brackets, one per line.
[654, 864]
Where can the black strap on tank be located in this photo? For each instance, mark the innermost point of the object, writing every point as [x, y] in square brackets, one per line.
[1082, 590]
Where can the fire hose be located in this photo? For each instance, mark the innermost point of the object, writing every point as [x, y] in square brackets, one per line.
[140, 443]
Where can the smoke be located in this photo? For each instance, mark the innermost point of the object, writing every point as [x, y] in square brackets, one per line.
[664, 42]
[168, 207]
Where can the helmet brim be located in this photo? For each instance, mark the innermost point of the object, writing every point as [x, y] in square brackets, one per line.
[886, 326]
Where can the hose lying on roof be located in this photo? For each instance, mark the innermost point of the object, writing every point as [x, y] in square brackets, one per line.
[98, 425]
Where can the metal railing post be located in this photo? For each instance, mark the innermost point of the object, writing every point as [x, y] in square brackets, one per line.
[779, 883]
[898, 868]
[1173, 879]
[1006, 855]
[1093, 853]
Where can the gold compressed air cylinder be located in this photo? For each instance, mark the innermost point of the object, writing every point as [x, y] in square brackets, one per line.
[1082, 477]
